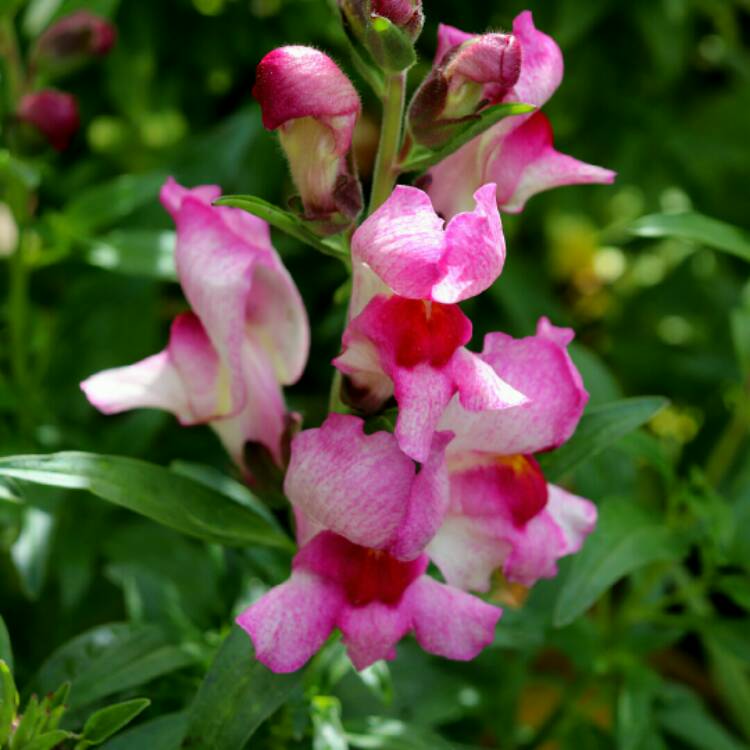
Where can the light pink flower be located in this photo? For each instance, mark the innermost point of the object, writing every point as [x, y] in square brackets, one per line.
[367, 515]
[248, 333]
[414, 350]
[417, 255]
[305, 97]
[503, 514]
[518, 153]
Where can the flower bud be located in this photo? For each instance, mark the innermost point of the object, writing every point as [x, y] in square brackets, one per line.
[406, 14]
[72, 41]
[311, 103]
[386, 28]
[475, 73]
[8, 231]
[54, 114]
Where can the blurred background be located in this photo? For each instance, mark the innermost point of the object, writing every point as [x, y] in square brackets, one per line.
[658, 90]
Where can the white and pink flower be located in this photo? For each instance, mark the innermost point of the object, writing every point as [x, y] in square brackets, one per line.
[247, 334]
[367, 515]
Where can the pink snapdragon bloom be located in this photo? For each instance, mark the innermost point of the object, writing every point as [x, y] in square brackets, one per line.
[54, 114]
[406, 337]
[518, 153]
[503, 514]
[305, 96]
[247, 335]
[362, 569]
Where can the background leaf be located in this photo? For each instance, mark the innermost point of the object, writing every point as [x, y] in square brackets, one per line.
[151, 490]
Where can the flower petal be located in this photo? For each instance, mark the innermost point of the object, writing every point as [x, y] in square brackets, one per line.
[357, 485]
[526, 164]
[447, 38]
[541, 368]
[449, 622]
[372, 632]
[405, 244]
[575, 516]
[292, 621]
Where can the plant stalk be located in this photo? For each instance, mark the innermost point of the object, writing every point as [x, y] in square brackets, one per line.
[384, 176]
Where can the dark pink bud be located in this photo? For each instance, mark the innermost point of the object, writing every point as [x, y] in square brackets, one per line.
[406, 14]
[74, 38]
[53, 113]
[306, 97]
[477, 71]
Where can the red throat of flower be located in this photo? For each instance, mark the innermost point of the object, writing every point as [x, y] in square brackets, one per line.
[525, 486]
[366, 575]
[425, 332]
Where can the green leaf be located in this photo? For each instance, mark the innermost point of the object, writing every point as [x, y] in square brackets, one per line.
[8, 702]
[600, 427]
[696, 228]
[740, 320]
[421, 158]
[685, 717]
[6, 651]
[285, 221]
[48, 740]
[391, 734]
[164, 733]
[730, 677]
[635, 708]
[237, 695]
[101, 725]
[153, 491]
[139, 252]
[30, 551]
[108, 203]
[110, 659]
[625, 539]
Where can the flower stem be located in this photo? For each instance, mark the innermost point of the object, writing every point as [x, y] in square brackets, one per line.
[384, 177]
[729, 443]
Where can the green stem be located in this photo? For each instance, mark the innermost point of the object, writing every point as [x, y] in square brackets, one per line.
[13, 65]
[384, 177]
[725, 451]
[18, 309]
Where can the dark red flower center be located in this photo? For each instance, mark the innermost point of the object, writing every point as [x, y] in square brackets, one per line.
[524, 486]
[366, 575]
[425, 332]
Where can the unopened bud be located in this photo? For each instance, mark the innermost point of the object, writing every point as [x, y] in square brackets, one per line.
[311, 103]
[54, 114]
[387, 29]
[473, 74]
[406, 14]
[74, 40]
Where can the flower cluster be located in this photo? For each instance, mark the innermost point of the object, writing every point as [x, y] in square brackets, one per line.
[456, 482]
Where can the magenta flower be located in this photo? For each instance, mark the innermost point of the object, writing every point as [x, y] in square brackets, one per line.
[305, 97]
[502, 512]
[361, 568]
[406, 14]
[54, 114]
[247, 335]
[518, 153]
[411, 344]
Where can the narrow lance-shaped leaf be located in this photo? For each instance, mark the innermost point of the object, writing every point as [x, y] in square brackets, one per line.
[625, 539]
[599, 427]
[101, 725]
[6, 651]
[153, 491]
[285, 221]
[237, 695]
[139, 252]
[697, 228]
[421, 158]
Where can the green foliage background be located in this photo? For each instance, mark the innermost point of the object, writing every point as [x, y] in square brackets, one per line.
[642, 642]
